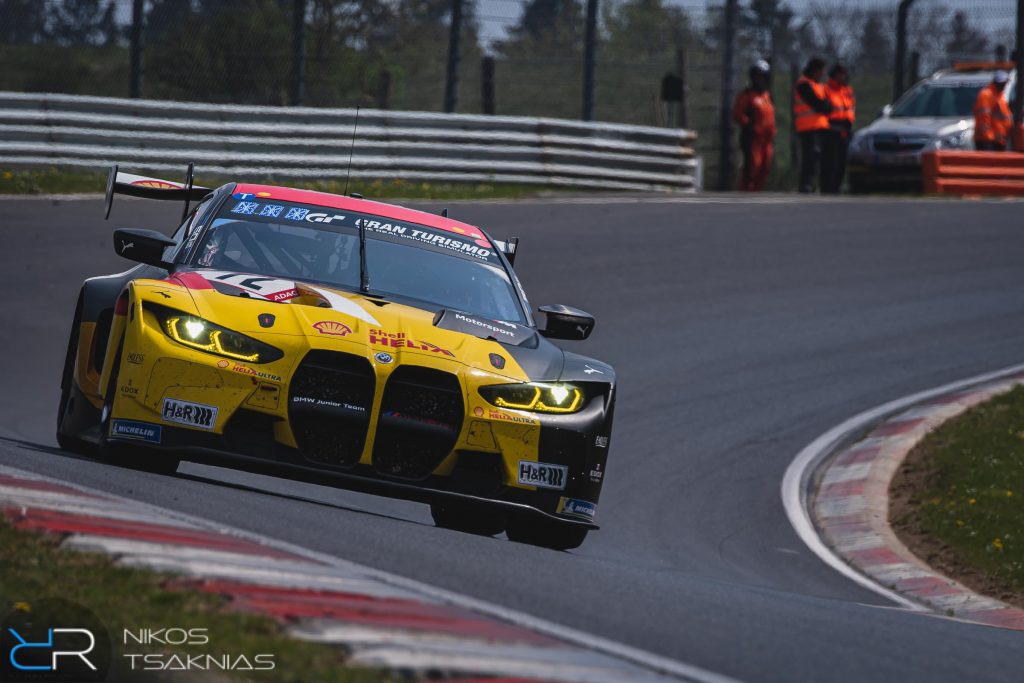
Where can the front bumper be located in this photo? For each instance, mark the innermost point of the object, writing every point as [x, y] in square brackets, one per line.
[326, 413]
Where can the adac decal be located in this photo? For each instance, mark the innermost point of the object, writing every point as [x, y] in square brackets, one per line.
[332, 327]
[576, 508]
[399, 340]
[246, 370]
[133, 429]
[543, 475]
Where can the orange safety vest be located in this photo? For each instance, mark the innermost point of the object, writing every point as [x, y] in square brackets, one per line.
[843, 102]
[804, 117]
[992, 118]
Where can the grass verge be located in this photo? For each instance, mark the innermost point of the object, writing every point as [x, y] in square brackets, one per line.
[958, 499]
[59, 181]
[33, 567]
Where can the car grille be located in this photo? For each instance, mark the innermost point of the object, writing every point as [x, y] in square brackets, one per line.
[891, 142]
[420, 419]
[329, 402]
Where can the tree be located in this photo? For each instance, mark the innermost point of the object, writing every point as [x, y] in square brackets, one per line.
[638, 30]
[547, 27]
[876, 49]
[82, 22]
[769, 24]
[23, 21]
[966, 41]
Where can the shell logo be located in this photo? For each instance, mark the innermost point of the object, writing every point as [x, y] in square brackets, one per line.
[331, 327]
[160, 184]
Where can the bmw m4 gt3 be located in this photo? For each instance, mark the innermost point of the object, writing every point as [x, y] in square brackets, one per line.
[345, 342]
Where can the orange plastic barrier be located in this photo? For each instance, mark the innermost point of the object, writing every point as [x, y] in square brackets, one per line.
[973, 173]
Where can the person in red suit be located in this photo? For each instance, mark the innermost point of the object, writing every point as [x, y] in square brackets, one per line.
[754, 113]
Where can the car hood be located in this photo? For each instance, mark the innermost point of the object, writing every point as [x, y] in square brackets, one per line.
[265, 307]
[918, 125]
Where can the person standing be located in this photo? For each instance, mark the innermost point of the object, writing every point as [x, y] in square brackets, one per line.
[754, 113]
[810, 118]
[836, 140]
[992, 118]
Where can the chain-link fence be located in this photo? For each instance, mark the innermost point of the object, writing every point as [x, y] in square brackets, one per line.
[656, 62]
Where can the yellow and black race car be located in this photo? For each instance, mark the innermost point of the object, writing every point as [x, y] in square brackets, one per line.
[347, 342]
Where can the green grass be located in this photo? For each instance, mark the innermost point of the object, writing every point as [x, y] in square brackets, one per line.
[32, 568]
[59, 181]
[971, 496]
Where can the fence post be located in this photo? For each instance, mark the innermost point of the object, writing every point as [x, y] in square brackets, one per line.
[487, 85]
[915, 67]
[901, 49]
[794, 146]
[724, 114]
[298, 76]
[683, 120]
[384, 89]
[451, 80]
[589, 55]
[135, 77]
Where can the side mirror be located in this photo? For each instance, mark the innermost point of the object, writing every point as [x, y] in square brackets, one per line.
[144, 246]
[566, 322]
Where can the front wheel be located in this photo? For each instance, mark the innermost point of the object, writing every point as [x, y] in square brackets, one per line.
[471, 519]
[546, 534]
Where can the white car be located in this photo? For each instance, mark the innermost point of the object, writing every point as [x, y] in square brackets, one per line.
[936, 113]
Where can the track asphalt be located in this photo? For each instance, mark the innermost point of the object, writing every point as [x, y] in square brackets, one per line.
[740, 332]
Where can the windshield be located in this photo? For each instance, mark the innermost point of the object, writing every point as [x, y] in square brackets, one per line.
[955, 100]
[315, 244]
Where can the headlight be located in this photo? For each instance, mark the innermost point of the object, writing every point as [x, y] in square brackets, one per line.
[202, 335]
[955, 140]
[536, 396]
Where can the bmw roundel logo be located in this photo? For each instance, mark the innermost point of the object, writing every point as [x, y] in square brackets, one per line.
[383, 357]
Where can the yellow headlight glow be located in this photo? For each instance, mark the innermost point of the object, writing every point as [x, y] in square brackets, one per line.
[537, 397]
[199, 337]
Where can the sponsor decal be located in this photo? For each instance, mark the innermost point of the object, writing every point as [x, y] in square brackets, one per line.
[601, 442]
[590, 371]
[508, 417]
[159, 184]
[284, 296]
[243, 196]
[333, 328]
[399, 340]
[576, 508]
[188, 413]
[497, 326]
[133, 429]
[245, 370]
[596, 475]
[543, 475]
[266, 319]
[325, 403]
[136, 358]
[497, 361]
[478, 411]
[125, 246]
[383, 357]
[129, 390]
[479, 248]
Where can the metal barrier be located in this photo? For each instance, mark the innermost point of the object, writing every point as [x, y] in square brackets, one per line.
[299, 142]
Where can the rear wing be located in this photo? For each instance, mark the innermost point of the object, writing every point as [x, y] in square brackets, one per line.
[119, 182]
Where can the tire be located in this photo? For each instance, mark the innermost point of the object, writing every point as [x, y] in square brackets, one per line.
[71, 398]
[127, 455]
[546, 534]
[471, 519]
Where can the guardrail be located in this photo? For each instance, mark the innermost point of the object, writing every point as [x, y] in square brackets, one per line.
[300, 142]
[973, 173]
